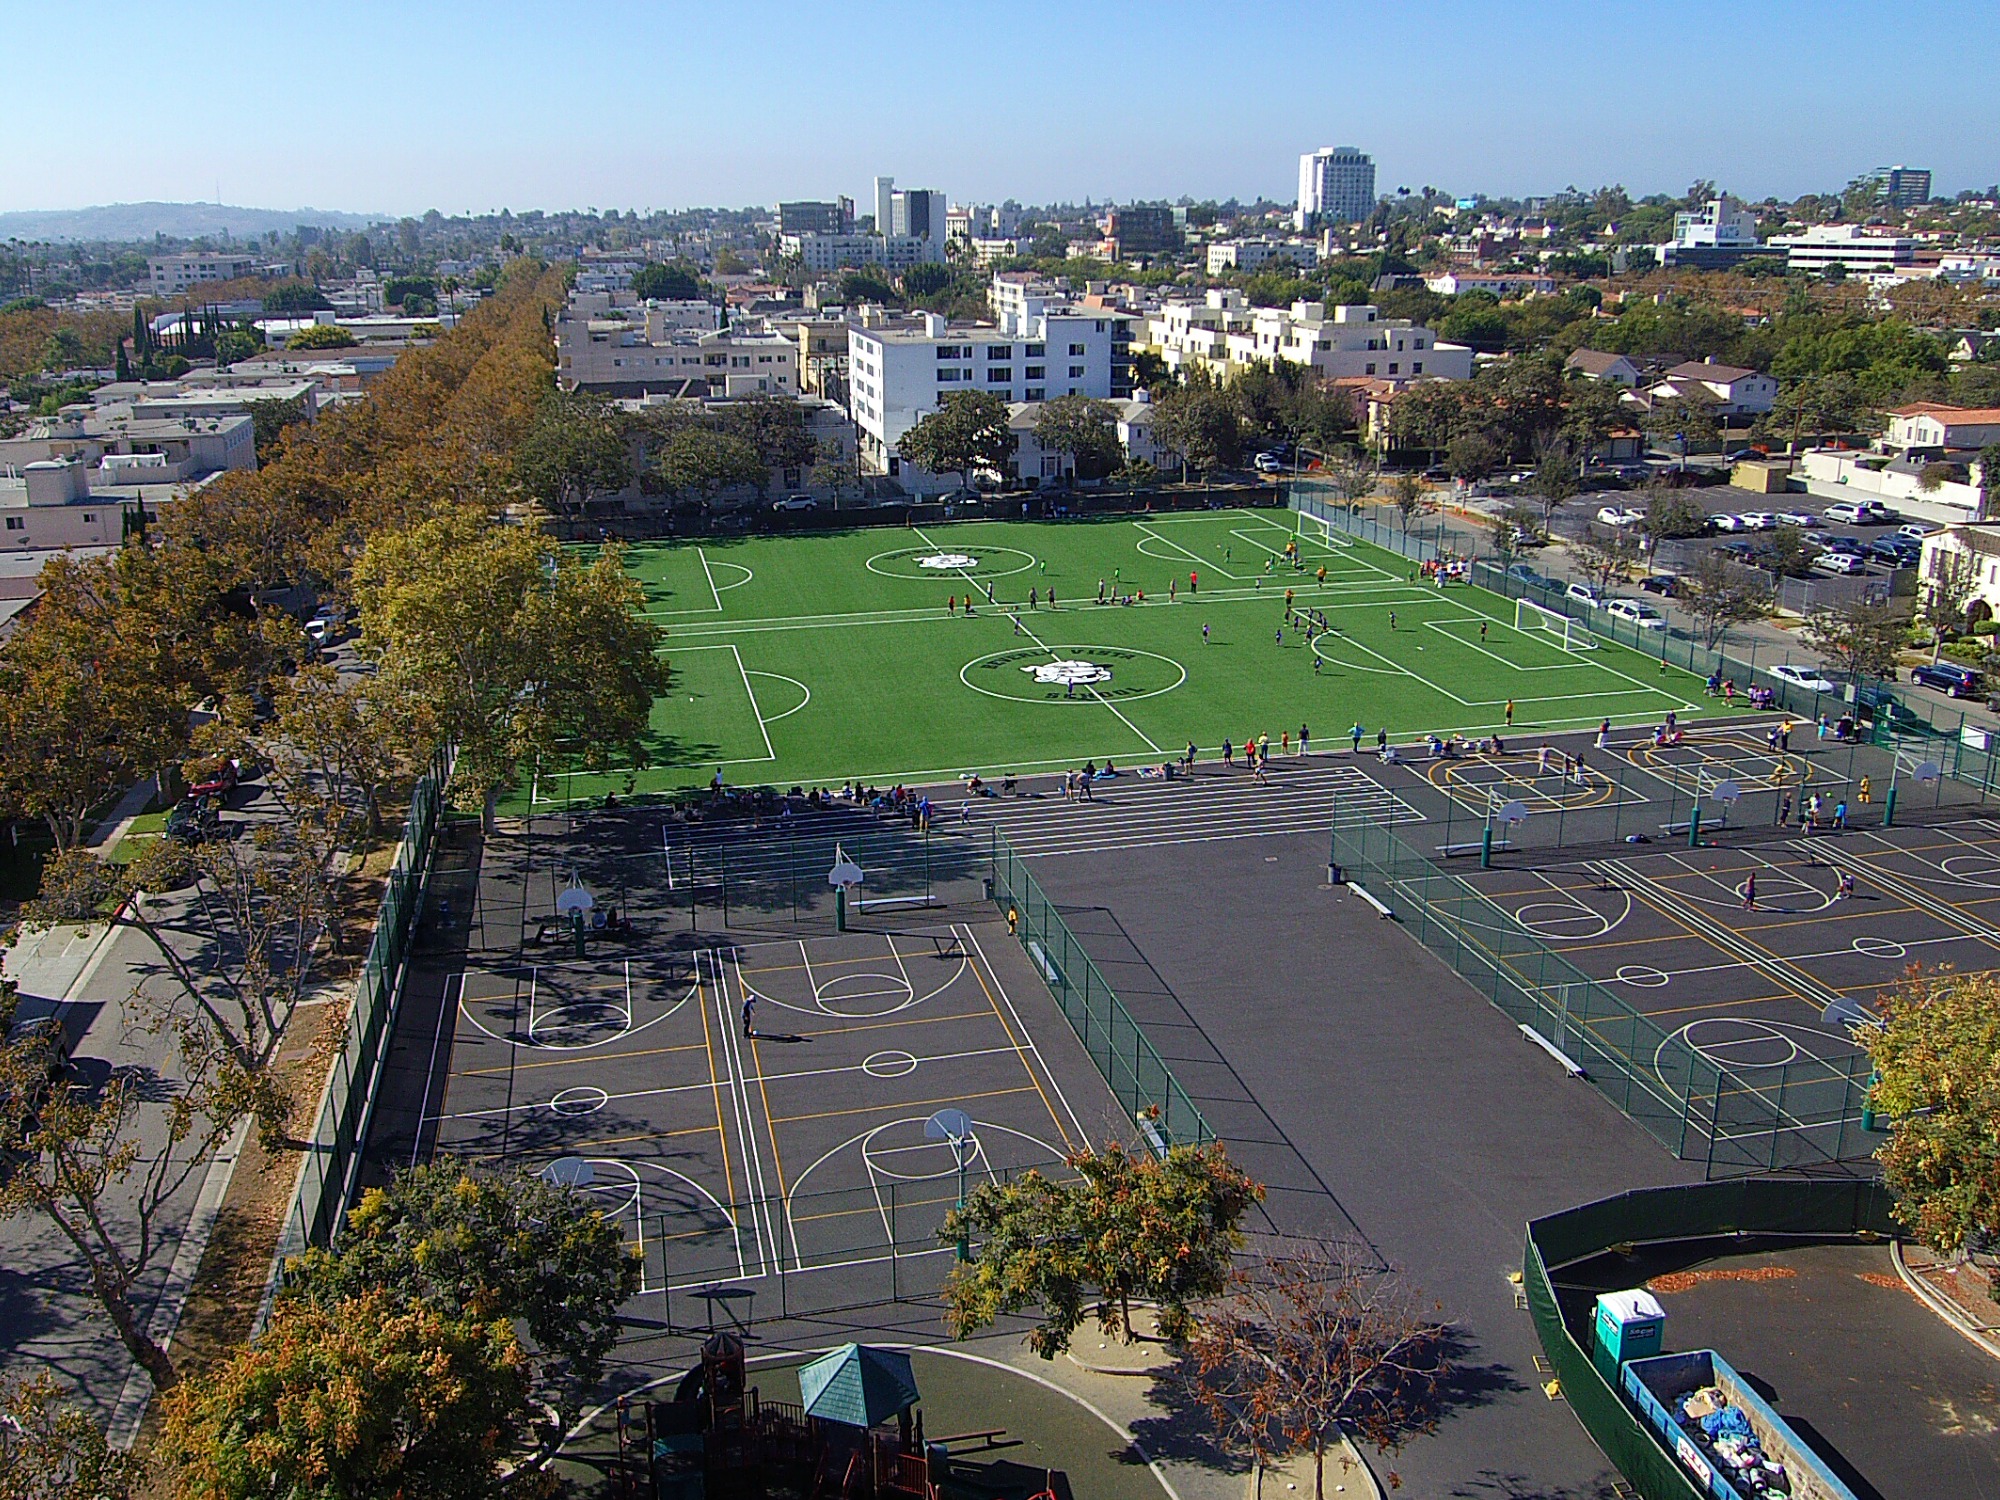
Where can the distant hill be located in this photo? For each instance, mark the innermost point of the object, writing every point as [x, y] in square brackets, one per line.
[141, 221]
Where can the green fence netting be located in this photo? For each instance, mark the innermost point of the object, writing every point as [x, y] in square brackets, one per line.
[1138, 1078]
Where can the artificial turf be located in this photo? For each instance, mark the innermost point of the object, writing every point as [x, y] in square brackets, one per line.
[812, 659]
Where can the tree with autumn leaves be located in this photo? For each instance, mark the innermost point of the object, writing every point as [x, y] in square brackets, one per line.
[1128, 1225]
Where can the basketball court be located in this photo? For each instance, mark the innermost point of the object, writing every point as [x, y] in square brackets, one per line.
[1753, 956]
[813, 1149]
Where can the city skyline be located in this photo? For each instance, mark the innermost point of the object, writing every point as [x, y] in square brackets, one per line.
[1148, 104]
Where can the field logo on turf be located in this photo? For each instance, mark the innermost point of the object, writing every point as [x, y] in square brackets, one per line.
[947, 561]
[1066, 673]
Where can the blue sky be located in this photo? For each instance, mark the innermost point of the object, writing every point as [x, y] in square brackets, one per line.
[461, 106]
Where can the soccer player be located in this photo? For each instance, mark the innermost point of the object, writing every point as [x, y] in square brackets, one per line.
[1228, 752]
[1322, 575]
[1173, 588]
[1033, 595]
[1204, 632]
[1305, 740]
[951, 605]
[1392, 619]
[1278, 635]
[1052, 596]
[1194, 582]
[1510, 713]
[1482, 632]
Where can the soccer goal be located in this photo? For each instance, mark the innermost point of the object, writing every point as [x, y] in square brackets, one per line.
[1531, 618]
[1314, 528]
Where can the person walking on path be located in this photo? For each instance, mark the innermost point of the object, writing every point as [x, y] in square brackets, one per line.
[1013, 922]
[1228, 753]
[1784, 810]
[1604, 735]
[1305, 740]
[1750, 891]
[1354, 733]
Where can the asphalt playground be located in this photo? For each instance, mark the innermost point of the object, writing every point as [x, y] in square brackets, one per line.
[787, 1119]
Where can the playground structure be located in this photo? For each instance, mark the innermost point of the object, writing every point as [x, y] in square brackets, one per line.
[858, 1435]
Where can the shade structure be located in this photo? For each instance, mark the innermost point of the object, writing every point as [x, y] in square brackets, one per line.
[858, 1386]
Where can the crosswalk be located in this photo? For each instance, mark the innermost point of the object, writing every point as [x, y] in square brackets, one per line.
[1214, 805]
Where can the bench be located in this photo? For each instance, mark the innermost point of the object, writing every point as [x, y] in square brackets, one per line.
[1573, 1069]
[1362, 891]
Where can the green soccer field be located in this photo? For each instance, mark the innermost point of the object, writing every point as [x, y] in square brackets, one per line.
[814, 659]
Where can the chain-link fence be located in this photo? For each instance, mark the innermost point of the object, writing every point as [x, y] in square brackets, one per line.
[1803, 1114]
[327, 1175]
[1141, 1081]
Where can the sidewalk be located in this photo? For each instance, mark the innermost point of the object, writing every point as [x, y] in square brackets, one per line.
[56, 965]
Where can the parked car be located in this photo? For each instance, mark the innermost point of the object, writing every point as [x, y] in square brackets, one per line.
[1916, 531]
[1802, 519]
[1666, 585]
[1269, 463]
[1839, 563]
[1948, 677]
[193, 820]
[1634, 613]
[1860, 513]
[1585, 593]
[1807, 678]
[1759, 520]
[1437, 474]
[1528, 576]
[1744, 455]
[795, 502]
[1851, 545]
[1620, 515]
[1894, 551]
[1631, 472]
[1726, 522]
[1741, 551]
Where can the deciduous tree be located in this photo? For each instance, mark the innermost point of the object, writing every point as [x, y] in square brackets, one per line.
[967, 432]
[574, 448]
[1128, 1225]
[103, 1177]
[1859, 638]
[1082, 430]
[1315, 1344]
[482, 1245]
[1933, 1051]
[366, 1397]
[1719, 594]
[51, 1449]
[519, 651]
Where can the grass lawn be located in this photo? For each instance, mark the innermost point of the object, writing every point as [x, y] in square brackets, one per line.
[812, 659]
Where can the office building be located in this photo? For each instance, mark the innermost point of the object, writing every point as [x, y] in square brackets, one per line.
[1904, 187]
[1142, 229]
[1849, 246]
[1713, 237]
[171, 275]
[1336, 186]
[835, 217]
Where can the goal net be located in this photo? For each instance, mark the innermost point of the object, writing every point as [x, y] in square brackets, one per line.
[1531, 618]
[1315, 529]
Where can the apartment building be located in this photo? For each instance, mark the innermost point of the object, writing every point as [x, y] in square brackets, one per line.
[1250, 255]
[1223, 332]
[1043, 344]
[629, 351]
[825, 253]
[171, 275]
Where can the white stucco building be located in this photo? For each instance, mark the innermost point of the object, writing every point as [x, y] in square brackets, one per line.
[1041, 345]
[1223, 332]
[1336, 186]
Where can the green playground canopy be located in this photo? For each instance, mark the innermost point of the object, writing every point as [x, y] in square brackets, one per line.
[858, 1386]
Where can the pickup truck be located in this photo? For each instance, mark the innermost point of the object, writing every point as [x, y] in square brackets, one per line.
[1722, 1432]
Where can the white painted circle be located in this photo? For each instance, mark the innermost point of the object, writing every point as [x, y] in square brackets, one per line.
[986, 560]
[877, 1158]
[854, 994]
[1565, 922]
[585, 1016]
[1643, 976]
[583, 1099]
[1078, 656]
[888, 1064]
[1874, 947]
[1972, 869]
[1757, 1044]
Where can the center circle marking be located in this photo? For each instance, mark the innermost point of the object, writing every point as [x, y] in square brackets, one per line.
[583, 1099]
[931, 562]
[1643, 976]
[1033, 674]
[1875, 947]
[888, 1064]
